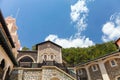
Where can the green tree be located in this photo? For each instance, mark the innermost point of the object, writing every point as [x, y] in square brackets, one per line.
[34, 47]
[25, 48]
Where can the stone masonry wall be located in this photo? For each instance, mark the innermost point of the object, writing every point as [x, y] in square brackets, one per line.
[113, 71]
[82, 75]
[26, 74]
[49, 73]
[95, 74]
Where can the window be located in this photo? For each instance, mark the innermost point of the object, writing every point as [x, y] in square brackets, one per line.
[94, 68]
[80, 72]
[45, 57]
[113, 63]
[51, 56]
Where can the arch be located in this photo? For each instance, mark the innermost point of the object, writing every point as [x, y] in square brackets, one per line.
[2, 65]
[91, 64]
[117, 77]
[29, 56]
[7, 74]
[54, 78]
[110, 58]
[52, 56]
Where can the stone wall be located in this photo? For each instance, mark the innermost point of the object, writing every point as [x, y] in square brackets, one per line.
[48, 45]
[48, 73]
[26, 74]
[113, 71]
[33, 54]
[14, 75]
[95, 74]
[44, 73]
[48, 52]
[32, 75]
[81, 74]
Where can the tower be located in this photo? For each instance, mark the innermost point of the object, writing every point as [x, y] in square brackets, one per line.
[11, 24]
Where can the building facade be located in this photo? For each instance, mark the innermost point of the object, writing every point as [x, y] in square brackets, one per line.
[7, 56]
[106, 67]
[45, 63]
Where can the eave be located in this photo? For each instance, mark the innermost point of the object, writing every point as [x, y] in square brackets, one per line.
[7, 48]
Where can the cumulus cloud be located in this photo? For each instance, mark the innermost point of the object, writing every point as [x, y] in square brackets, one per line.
[67, 43]
[78, 14]
[111, 29]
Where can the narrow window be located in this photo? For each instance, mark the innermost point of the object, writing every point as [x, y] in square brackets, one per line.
[113, 63]
[80, 72]
[45, 57]
[94, 68]
[51, 56]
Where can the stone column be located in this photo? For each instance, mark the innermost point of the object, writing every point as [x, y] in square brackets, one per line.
[88, 74]
[20, 74]
[4, 74]
[103, 71]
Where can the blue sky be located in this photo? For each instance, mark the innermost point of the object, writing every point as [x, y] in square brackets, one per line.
[69, 23]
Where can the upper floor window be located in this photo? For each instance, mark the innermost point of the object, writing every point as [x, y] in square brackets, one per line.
[45, 57]
[52, 56]
[113, 63]
[94, 67]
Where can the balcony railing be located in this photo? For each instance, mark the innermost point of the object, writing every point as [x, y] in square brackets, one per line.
[47, 63]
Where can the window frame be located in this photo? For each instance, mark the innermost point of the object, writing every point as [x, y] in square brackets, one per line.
[94, 68]
[111, 63]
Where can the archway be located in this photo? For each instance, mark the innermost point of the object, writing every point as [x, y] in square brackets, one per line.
[2, 65]
[117, 77]
[26, 61]
[54, 78]
[28, 56]
[7, 74]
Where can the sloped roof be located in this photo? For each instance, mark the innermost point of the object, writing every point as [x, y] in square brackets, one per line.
[48, 42]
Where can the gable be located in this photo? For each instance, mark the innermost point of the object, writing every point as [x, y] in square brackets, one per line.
[48, 44]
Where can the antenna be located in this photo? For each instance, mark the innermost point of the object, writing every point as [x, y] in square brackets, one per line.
[17, 13]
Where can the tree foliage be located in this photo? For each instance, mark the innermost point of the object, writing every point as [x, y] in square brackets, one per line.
[25, 48]
[74, 56]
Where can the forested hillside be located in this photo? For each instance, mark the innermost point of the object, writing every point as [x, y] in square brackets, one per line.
[74, 56]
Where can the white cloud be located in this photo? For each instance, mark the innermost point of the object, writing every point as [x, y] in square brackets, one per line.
[67, 43]
[111, 29]
[78, 14]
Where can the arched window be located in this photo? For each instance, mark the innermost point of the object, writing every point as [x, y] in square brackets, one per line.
[52, 57]
[26, 59]
[45, 57]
